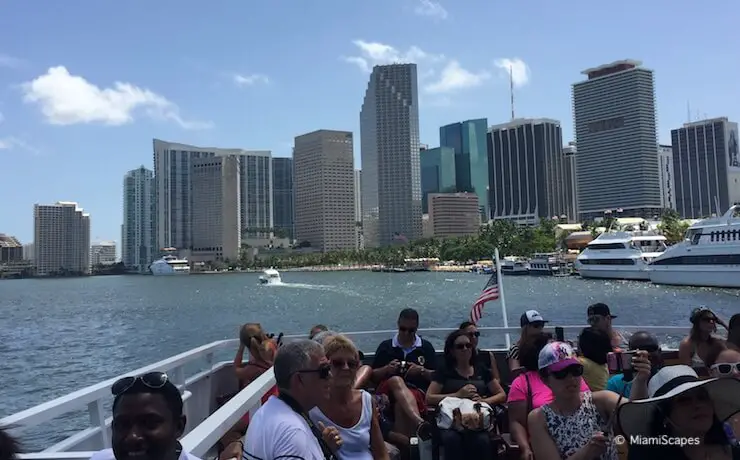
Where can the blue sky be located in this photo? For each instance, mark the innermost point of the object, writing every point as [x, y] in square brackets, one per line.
[85, 85]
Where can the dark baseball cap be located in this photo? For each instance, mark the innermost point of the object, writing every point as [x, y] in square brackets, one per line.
[531, 316]
[599, 309]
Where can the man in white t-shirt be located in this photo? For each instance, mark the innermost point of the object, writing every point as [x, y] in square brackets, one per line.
[280, 429]
[147, 420]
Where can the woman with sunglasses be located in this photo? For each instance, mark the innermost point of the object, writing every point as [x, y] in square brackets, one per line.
[724, 362]
[575, 424]
[693, 349]
[351, 411]
[462, 378]
[485, 359]
[532, 324]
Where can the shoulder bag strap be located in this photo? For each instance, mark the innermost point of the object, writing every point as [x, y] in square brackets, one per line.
[530, 402]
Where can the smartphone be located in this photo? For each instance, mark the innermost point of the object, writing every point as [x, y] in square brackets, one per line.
[620, 363]
[404, 367]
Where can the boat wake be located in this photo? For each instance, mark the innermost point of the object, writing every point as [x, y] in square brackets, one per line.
[321, 287]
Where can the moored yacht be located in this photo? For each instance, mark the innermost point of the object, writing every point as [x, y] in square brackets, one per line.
[170, 265]
[514, 266]
[709, 256]
[548, 264]
[620, 255]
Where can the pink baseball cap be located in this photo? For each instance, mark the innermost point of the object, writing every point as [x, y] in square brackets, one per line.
[557, 356]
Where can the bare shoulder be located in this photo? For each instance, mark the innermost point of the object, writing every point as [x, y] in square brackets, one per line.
[536, 417]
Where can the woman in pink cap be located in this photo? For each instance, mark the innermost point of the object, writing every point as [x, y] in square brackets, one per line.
[576, 424]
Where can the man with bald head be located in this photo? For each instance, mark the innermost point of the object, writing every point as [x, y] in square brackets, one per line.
[643, 341]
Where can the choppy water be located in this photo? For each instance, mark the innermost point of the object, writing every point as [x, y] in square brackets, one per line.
[61, 335]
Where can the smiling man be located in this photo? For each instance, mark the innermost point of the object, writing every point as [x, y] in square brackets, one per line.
[147, 420]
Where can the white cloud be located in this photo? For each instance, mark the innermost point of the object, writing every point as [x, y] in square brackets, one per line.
[454, 78]
[375, 53]
[518, 69]
[9, 61]
[67, 99]
[250, 80]
[14, 143]
[430, 8]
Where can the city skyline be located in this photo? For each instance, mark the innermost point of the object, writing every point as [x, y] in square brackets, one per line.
[213, 90]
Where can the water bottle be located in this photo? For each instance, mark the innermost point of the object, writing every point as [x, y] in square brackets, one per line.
[414, 448]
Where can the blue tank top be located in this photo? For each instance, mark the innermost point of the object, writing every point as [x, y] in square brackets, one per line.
[355, 440]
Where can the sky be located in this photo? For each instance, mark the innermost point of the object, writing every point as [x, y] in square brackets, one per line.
[85, 85]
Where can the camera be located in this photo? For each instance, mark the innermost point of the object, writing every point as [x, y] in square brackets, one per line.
[404, 367]
[620, 362]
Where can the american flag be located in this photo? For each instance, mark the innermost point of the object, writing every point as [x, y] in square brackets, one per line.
[490, 292]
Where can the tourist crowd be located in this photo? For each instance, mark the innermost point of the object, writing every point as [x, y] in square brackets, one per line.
[605, 396]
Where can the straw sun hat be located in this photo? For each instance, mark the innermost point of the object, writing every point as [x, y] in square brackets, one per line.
[635, 417]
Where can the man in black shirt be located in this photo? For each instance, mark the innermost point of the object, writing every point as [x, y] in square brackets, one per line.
[403, 368]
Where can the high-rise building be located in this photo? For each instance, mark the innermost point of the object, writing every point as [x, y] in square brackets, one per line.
[103, 253]
[665, 163]
[437, 173]
[283, 196]
[216, 215]
[358, 209]
[454, 214]
[391, 172]
[324, 181]
[61, 239]
[526, 170]
[174, 199]
[138, 245]
[29, 252]
[570, 184]
[615, 123]
[468, 139]
[706, 167]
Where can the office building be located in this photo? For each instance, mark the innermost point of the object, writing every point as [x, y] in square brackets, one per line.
[570, 183]
[11, 250]
[61, 239]
[454, 214]
[324, 181]
[173, 190]
[29, 252]
[706, 167]
[615, 123]
[358, 209]
[665, 163]
[138, 246]
[282, 197]
[437, 173]
[526, 170]
[103, 253]
[468, 139]
[391, 172]
[216, 209]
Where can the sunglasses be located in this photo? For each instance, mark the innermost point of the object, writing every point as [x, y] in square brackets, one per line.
[463, 346]
[726, 368]
[153, 380]
[473, 334]
[575, 370]
[708, 319]
[406, 329]
[323, 371]
[340, 363]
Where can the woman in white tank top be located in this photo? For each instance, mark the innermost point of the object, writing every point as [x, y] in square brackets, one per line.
[350, 410]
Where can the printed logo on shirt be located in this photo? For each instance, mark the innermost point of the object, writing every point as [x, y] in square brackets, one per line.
[421, 360]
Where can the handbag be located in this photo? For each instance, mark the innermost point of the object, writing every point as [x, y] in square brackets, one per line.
[465, 415]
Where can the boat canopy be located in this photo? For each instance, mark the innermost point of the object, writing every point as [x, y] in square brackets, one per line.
[271, 272]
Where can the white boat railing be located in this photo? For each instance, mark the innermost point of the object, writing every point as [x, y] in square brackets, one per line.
[212, 426]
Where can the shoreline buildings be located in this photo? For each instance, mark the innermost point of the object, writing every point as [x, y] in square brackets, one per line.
[61, 239]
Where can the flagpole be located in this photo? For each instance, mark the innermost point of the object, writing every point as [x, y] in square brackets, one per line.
[502, 299]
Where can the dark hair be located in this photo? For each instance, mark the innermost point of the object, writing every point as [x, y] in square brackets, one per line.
[529, 350]
[450, 344]
[316, 329]
[466, 324]
[410, 314]
[594, 344]
[696, 317]
[9, 447]
[169, 392]
[658, 426]
[733, 336]
[715, 349]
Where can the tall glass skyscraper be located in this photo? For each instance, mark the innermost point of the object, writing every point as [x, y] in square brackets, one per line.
[437, 173]
[468, 139]
[282, 195]
[138, 231]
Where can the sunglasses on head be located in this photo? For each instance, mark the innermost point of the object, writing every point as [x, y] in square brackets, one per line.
[726, 368]
[576, 370]
[153, 380]
[406, 329]
[340, 363]
[473, 334]
[323, 371]
[463, 346]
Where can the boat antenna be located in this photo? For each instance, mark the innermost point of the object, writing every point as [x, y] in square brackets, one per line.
[511, 89]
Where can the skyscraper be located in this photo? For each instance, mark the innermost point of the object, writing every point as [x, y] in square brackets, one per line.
[615, 123]
[706, 167]
[526, 170]
[437, 173]
[667, 182]
[324, 180]
[570, 184]
[358, 209]
[468, 139]
[138, 247]
[61, 238]
[283, 196]
[389, 139]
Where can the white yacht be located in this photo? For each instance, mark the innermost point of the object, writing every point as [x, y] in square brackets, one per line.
[548, 264]
[620, 255]
[270, 276]
[514, 266]
[709, 256]
[170, 265]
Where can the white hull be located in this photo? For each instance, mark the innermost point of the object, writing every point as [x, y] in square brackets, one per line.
[169, 266]
[721, 276]
[171, 273]
[614, 273]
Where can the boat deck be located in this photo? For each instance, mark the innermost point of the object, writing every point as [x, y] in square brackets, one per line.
[202, 380]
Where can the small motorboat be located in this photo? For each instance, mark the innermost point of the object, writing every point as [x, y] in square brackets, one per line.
[270, 276]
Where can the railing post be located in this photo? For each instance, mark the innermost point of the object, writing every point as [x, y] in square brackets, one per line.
[178, 378]
[209, 382]
[97, 419]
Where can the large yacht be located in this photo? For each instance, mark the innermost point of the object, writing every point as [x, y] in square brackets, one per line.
[620, 255]
[709, 256]
[170, 265]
